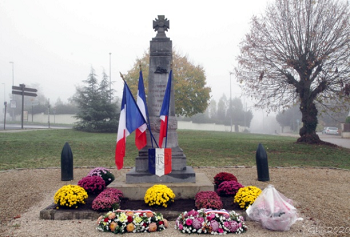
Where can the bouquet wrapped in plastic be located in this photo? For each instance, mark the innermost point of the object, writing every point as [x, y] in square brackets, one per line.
[273, 210]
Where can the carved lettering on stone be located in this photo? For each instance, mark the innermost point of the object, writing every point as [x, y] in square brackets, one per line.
[161, 70]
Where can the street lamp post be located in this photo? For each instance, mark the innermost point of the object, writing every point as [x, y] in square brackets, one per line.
[13, 73]
[13, 83]
[231, 101]
[5, 105]
[110, 78]
[48, 113]
[4, 91]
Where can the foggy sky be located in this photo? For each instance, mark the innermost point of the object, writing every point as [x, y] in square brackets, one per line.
[55, 43]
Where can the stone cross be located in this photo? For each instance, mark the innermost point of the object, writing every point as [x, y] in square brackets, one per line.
[161, 25]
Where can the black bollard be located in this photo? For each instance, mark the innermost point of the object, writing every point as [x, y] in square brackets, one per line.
[262, 164]
[66, 163]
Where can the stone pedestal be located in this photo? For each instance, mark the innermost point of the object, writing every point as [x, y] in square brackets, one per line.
[159, 69]
[182, 190]
[178, 158]
[176, 176]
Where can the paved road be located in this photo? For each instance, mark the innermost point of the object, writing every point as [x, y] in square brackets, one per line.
[17, 127]
[337, 140]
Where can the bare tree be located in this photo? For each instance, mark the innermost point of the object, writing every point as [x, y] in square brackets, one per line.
[298, 52]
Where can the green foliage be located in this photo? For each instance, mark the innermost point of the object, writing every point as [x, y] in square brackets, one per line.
[96, 111]
[212, 109]
[221, 114]
[191, 93]
[201, 118]
[41, 104]
[64, 108]
[289, 117]
[240, 115]
[40, 149]
[347, 120]
[223, 105]
[39, 108]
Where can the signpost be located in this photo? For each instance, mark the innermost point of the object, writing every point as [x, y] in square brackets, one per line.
[22, 90]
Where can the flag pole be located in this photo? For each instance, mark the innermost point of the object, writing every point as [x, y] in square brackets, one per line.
[147, 122]
[167, 122]
[121, 75]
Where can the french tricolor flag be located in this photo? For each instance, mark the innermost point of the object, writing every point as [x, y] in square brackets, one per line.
[130, 119]
[159, 161]
[140, 133]
[164, 113]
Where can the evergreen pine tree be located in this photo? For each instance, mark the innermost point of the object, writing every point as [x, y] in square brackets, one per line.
[96, 111]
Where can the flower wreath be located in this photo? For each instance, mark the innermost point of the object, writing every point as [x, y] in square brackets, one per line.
[123, 221]
[208, 221]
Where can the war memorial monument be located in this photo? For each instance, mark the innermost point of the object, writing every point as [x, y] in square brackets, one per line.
[182, 177]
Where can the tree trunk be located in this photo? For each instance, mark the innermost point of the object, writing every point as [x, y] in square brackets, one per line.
[309, 118]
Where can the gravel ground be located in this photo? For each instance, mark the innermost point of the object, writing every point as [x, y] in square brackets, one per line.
[321, 196]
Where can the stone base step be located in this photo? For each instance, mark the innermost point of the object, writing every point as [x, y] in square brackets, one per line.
[181, 190]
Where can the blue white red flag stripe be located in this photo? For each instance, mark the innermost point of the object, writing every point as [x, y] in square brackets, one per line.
[159, 161]
[140, 133]
[130, 119]
[164, 113]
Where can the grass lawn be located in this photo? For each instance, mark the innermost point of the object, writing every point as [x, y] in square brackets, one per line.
[41, 149]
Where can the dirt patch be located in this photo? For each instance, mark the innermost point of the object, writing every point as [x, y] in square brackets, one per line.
[320, 196]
